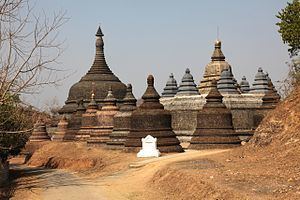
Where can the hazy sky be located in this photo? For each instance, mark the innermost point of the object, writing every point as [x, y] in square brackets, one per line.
[163, 36]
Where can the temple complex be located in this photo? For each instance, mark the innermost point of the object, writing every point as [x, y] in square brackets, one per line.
[214, 124]
[99, 78]
[218, 113]
[244, 102]
[150, 118]
[122, 121]
[104, 125]
[39, 132]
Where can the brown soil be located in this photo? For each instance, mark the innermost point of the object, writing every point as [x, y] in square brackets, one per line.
[78, 157]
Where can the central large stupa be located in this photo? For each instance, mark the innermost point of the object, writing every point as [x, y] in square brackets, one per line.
[97, 80]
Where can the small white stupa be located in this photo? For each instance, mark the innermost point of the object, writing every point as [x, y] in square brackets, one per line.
[149, 148]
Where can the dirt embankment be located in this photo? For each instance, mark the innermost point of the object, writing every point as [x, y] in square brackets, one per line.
[80, 158]
[266, 168]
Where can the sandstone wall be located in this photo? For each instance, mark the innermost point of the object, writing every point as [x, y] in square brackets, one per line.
[4, 172]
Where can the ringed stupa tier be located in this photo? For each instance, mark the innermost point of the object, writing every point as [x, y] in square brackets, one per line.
[245, 86]
[171, 87]
[214, 69]
[260, 84]
[99, 78]
[187, 86]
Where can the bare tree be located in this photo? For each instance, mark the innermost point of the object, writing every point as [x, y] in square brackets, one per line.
[29, 48]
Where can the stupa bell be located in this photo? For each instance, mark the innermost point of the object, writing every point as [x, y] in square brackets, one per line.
[171, 87]
[39, 132]
[187, 86]
[61, 131]
[214, 124]
[260, 84]
[245, 86]
[150, 118]
[226, 84]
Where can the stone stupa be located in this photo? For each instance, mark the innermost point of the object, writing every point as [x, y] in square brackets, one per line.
[105, 116]
[171, 87]
[99, 77]
[260, 84]
[214, 124]
[244, 85]
[39, 132]
[121, 122]
[214, 69]
[226, 84]
[89, 120]
[150, 118]
[61, 131]
[272, 88]
[187, 86]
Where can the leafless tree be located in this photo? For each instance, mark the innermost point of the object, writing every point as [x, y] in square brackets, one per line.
[29, 48]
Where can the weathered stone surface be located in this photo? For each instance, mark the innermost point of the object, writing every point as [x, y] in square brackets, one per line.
[39, 132]
[171, 87]
[121, 121]
[62, 128]
[244, 85]
[187, 86]
[226, 84]
[104, 127]
[99, 77]
[89, 121]
[149, 148]
[150, 118]
[214, 124]
[74, 122]
[275, 94]
[260, 84]
[213, 69]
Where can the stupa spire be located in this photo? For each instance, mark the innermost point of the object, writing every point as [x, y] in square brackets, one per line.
[99, 65]
[218, 54]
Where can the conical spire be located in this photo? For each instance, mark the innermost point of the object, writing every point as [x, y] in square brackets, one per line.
[260, 84]
[99, 65]
[99, 32]
[187, 85]
[226, 83]
[214, 98]
[218, 54]
[151, 97]
[272, 87]
[171, 87]
[245, 86]
[129, 101]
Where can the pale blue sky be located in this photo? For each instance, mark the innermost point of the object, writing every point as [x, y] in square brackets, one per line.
[163, 36]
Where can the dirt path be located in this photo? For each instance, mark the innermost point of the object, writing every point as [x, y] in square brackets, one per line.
[128, 184]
